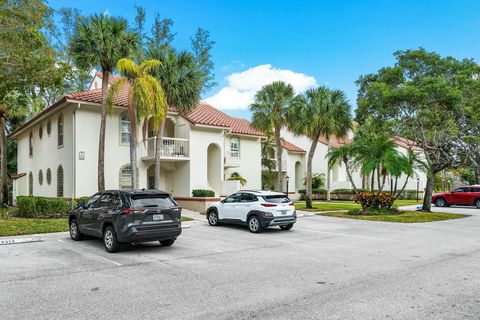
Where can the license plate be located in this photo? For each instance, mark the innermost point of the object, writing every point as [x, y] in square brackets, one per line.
[283, 212]
[156, 217]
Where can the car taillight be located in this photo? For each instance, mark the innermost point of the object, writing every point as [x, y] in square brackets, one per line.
[267, 214]
[268, 205]
[131, 210]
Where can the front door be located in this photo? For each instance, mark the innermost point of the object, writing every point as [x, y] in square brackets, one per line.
[85, 222]
[245, 205]
[229, 206]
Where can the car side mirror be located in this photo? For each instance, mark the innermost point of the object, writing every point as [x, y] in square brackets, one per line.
[222, 201]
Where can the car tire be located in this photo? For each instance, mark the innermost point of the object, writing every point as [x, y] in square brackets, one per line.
[440, 202]
[74, 231]
[477, 203]
[212, 218]
[254, 224]
[110, 240]
[167, 243]
[287, 227]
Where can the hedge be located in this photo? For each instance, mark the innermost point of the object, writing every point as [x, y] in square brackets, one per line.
[198, 193]
[30, 206]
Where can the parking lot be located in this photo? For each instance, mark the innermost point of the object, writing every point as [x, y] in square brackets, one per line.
[324, 268]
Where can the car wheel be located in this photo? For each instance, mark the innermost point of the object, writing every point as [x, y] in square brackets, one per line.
[287, 227]
[74, 231]
[440, 202]
[254, 224]
[477, 203]
[167, 243]
[110, 240]
[213, 218]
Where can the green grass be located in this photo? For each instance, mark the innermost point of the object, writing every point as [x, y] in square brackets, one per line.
[22, 226]
[186, 219]
[402, 216]
[344, 205]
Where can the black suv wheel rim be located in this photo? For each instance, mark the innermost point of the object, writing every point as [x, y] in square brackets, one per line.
[108, 239]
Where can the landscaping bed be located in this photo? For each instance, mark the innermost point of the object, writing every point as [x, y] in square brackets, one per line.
[394, 215]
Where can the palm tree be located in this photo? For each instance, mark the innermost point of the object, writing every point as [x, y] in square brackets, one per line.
[270, 115]
[13, 108]
[182, 83]
[316, 113]
[146, 100]
[100, 41]
[346, 155]
[267, 149]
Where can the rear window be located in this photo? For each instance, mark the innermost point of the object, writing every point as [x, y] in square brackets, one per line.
[276, 199]
[152, 201]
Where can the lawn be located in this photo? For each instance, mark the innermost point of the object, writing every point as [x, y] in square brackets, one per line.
[23, 226]
[344, 205]
[403, 216]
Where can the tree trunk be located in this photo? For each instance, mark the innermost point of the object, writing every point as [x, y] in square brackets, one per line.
[101, 139]
[349, 175]
[477, 175]
[308, 183]
[158, 149]
[403, 188]
[427, 199]
[133, 146]
[329, 196]
[3, 161]
[372, 180]
[278, 143]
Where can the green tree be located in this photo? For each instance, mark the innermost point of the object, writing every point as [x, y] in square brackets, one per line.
[181, 81]
[319, 112]
[202, 47]
[100, 41]
[422, 96]
[270, 115]
[146, 100]
[235, 176]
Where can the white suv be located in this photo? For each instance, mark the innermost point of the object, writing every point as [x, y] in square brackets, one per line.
[257, 209]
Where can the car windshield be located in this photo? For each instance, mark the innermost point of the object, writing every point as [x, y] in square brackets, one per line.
[152, 201]
[277, 199]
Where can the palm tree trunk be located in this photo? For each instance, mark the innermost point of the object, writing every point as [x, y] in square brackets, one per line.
[133, 146]
[3, 164]
[158, 151]
[372, 180]
[403, 188]
[278, 143]
[308, 185]
[349, 175]
[101, 139]
[329, 196]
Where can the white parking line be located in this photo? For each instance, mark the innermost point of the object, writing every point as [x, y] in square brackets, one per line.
[97, 255]
[345, 235]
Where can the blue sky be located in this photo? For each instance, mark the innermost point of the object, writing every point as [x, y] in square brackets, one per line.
[306, 42]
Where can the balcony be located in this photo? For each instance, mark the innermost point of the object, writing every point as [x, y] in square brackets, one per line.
[232, 159]
[171, 149]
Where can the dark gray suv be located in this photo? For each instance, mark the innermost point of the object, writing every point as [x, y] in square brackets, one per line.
[120, 216]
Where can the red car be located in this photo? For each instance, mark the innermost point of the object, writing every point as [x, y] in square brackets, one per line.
[466, 196]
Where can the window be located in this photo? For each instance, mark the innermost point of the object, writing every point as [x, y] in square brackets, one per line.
[235, 147]
[153, 201]
[49, 127]
[248, 197]
[40, 132]
[30, 184]
[126, 178]
[92, 201]
[49, 176]
[60, 130]
[60, 181]
[30, 144]
[124, 129]
[108, 200]
[233, 198]
[276, 199]
[460, 190]
[40, 177]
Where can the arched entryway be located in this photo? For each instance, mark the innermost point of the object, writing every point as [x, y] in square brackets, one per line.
[298, 176]
[214, 168]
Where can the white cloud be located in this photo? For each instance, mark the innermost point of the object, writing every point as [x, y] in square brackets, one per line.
[242, 86]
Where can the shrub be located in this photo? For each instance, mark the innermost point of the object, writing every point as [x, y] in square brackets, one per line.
[410, 195]
[368, 200]
[30, 206]
[349, 191]
[202, 193]
[314, 191]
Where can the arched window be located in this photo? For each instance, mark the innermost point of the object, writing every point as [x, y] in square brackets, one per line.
[40, 177]
[60, 181]
[235, 147]
[30, 184]
[124, 129]
[125, 178]
[49, 176]
[40, 132]
[60, 130]
[49, 127]
[30, 144]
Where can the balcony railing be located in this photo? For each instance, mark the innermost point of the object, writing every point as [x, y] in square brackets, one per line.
[232, 159]
[171, 147]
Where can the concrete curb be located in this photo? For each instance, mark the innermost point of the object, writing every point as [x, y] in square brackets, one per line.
[19, 240]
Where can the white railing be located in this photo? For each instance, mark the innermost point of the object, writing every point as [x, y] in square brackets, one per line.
[171, 147]
[232, 159]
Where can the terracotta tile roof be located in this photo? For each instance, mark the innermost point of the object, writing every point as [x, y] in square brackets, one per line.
[243, 126]
[291, 147]
[95, 96]
[335, 142]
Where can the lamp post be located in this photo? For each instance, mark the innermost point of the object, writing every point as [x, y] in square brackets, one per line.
[418, 186]
[288, 180]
